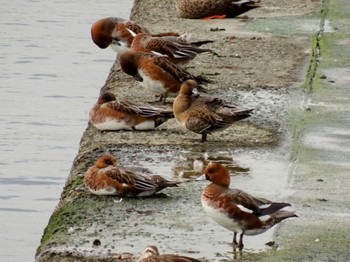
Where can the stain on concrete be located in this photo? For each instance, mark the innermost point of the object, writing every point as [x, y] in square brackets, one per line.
[283, 152]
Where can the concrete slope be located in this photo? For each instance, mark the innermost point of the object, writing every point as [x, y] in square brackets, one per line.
[290, 61]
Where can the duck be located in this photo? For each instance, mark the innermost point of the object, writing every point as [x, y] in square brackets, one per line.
[207, 9]
[175, 49]
[102, 30]
[237, 210]
[151, 254]
[205, 114]
[105, 177]
[123, 35]
[156, 73]
[112, 115]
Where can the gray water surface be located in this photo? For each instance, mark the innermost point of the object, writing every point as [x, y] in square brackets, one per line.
[50, 75]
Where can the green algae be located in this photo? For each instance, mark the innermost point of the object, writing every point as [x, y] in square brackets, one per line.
[56, 231]
[303, 239]
[320, 162]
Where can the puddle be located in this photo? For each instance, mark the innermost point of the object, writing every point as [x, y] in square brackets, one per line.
[174, 220]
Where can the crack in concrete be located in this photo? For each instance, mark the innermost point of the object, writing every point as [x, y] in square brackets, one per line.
[309, 81]
[316, 49]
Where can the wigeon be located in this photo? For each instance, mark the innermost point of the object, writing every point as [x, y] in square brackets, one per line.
[110, 114]
[122, 35]
[151, 254]
[207, 9]
[105, 30]
[173, 48]
[156, 73]
[236, 210]
[106, 178]
[204, 114]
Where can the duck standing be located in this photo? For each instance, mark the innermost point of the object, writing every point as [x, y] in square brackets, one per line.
[203, 115]
[236, 210]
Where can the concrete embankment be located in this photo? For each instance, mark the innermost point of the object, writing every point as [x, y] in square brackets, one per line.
[290, 61]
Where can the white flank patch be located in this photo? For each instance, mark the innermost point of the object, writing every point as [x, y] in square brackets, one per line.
[112, 124]
[154, 86]
[264, 218]
[146, 193]
[264, 206]
[256, 231]
[220, 217]
[244, 209]
[147, 125]
[108, 191]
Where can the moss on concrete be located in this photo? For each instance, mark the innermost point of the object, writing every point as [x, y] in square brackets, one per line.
[253, 68]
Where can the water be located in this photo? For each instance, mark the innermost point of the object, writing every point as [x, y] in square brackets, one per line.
[50, 75]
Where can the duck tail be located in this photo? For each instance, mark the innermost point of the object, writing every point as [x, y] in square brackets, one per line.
[202, 80]
[161, 182]
[241, 114]
[239, 7]
[168, 114]
[203, 42]
[163, 117]
[277, 212]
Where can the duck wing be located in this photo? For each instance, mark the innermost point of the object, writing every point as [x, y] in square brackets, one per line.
[127, 178]
[201, 120]
[248, 203]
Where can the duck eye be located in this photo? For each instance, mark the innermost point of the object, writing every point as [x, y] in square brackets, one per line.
[109, 162]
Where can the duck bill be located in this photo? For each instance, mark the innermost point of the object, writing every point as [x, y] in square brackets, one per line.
[195, 92]
[201, 178]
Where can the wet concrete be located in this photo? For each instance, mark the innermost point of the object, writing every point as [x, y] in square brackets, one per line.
[294, 147]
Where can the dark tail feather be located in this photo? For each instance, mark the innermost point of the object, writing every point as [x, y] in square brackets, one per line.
[279, 212]
[201, 89]
[166, 34]
[162, 182]
[168, 114]
[240, 7]
[172, 183]
[274, 207]
[200, 43]
[202, 80]
[239, 115]
[164, 116]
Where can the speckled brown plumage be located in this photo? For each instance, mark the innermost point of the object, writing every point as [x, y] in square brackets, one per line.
[174, 48]
[195, 9]
[110, 114]
[155, 72]
[106, 178]
[204, 114]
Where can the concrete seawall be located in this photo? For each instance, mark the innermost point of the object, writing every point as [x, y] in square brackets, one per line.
[290, 61]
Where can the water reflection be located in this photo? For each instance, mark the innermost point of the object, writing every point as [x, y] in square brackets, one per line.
[194, 166]
[50, 75]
